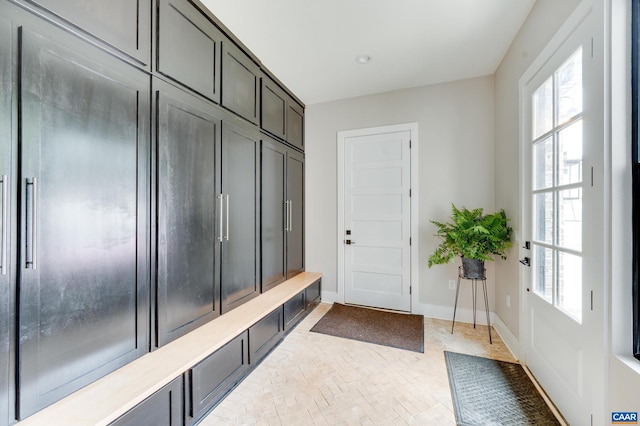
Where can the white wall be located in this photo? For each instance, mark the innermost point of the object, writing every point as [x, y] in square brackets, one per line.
[456, 157]
[545, 19]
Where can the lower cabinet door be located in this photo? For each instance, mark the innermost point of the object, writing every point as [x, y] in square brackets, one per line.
[294, 309]
[214, 377]
[265, 335]
[163, 408]
[313, 293]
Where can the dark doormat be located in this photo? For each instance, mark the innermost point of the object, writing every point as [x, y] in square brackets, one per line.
[489, 392]
[402, 331]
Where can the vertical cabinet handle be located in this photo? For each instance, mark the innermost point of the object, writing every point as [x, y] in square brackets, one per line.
[220, 199]
[4, 222]
[227, 234]
[290, 216]
[286, 216]
[32, 225]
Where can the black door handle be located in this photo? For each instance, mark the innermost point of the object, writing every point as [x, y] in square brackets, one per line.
[526, 261]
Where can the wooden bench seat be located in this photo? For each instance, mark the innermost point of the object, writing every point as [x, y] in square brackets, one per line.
[105, 400]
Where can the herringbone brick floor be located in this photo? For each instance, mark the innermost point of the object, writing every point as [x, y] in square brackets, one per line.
[315, 379]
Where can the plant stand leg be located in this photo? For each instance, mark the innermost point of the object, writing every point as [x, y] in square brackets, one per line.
[455, 305]
[486, 308]
[474, 290]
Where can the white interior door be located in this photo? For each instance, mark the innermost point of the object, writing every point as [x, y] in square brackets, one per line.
[377, 220]
[562, 218]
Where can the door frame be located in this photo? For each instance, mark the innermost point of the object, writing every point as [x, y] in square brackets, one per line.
[414, 200]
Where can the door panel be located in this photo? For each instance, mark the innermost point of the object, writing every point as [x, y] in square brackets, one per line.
[377, 219]
[274, 162]
[83, 280]
[6, 191]
[295, 228]
[189, 48]
[295, 124]
[241, 83]
[163, 408]
[241, 199]
[124, 24]
[186, 211]
[273, 108]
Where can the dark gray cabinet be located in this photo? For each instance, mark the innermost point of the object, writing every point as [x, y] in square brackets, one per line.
[6, 192]
[83, 293]
[282, 213]
[189, 47]
[294, 310]
[163, 408]
[239, 204]
[265, 335]
[187, 137]
[123, 24]
[240, 83]
[281, 115]
[214, 377]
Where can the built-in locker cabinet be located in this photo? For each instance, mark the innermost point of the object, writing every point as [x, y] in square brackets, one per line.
[240, 83]
[187, 137]
[294, 310]
[6, 190]
[189, 47]
[83, 265]
[123, 24]
[295, 225]
[163, 408]
[274, 213]
[214, 377]
[239, 204]
[282, 212]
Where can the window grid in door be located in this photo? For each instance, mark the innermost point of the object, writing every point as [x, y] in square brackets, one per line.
[556, 142]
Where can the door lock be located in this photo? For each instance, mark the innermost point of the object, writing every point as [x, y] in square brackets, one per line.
[349, 242]
[526, 261]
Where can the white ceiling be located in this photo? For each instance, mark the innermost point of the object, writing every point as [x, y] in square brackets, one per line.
[311, 45]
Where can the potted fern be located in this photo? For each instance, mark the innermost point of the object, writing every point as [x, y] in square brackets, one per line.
[474, 236]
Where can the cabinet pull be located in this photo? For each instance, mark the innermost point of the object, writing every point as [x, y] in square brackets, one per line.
[227, 234]
[290, 216]
[286, 216]
[32, 233]
[4, 222]
[220, 199]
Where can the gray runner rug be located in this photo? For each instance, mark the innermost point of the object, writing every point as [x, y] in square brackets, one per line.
[489, 392]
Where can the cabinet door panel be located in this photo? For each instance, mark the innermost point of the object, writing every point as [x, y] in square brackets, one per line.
[273, 109]
[214, 377]
[189, 47]
[295, 125]
[240, 83]
[6, 274]
[83, 286]
[186, 211]
[163, 408]
[294, 309]
[240, 183]
[124, 24]
[274, 158]
[265, 335]
[295, 194]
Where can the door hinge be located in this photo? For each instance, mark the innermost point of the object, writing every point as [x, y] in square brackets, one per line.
[409, 143]
[592, 47]
[409, 240]
[410, 289]
[592, 300]
[409, 192]
[592, 177]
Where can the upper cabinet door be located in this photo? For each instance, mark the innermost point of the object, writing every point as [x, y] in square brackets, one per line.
[189, 47]
[187, 286]
[240, 206]
[240, 83]
[123, 24]
[274, 109]
[295, 228]
[6, 192]
[84, 288]
[295, 124]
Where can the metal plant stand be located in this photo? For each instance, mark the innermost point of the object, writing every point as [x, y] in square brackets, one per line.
[474, 288]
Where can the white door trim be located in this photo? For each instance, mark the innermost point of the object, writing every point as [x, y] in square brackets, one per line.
[340, 140]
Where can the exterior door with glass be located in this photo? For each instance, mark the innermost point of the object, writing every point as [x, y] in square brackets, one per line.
[563, 218]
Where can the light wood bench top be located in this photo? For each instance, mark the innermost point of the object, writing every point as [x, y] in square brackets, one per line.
[106, 399]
